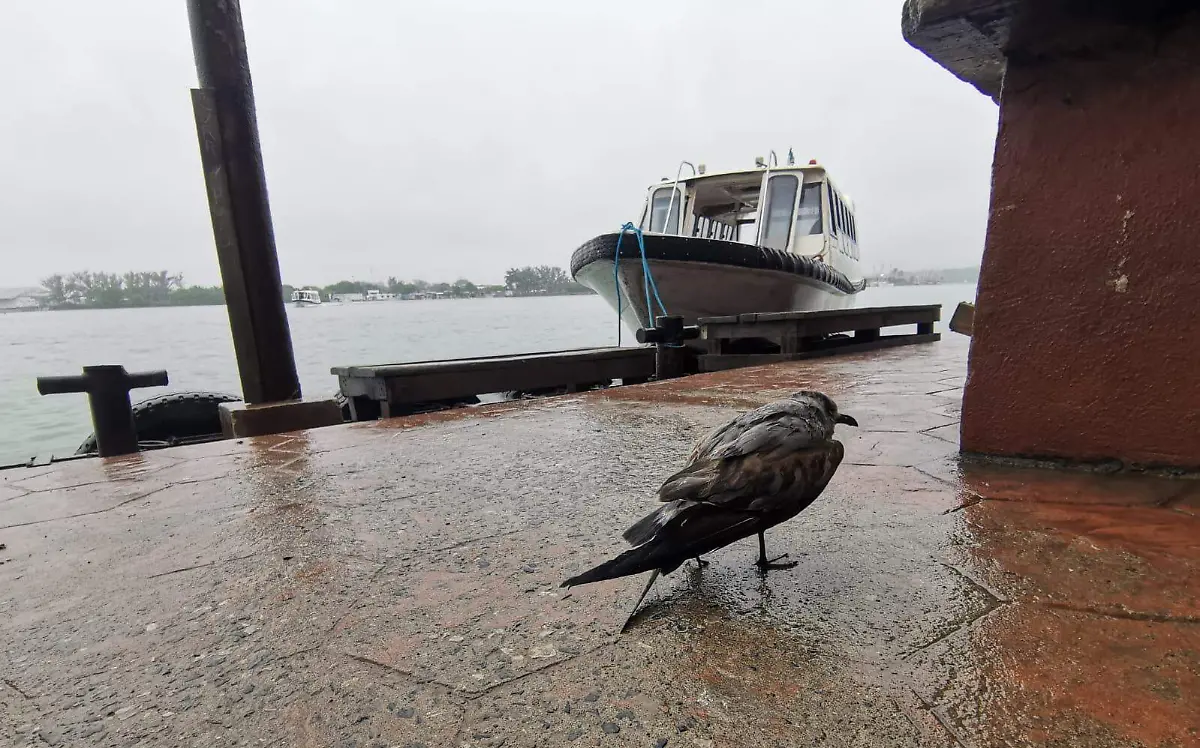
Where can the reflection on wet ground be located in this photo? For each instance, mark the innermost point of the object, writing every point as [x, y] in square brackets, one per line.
[396, 584]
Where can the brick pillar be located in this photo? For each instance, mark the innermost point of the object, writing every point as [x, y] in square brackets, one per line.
[1087, 339]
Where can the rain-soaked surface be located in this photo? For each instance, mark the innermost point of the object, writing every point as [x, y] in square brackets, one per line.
[396, 584]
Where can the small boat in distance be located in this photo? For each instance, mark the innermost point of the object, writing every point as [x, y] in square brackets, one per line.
[767, 239]
[306, 297]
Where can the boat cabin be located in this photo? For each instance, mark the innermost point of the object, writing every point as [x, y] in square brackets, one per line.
[792, 208]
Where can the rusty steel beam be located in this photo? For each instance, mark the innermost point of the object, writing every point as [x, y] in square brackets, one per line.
[237, 198]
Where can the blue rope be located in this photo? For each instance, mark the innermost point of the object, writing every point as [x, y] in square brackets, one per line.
[647, 277]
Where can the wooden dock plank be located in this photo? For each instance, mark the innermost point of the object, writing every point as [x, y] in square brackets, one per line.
[395, 388]
[807, 324]
[963, 319]
[397, 385]
[801, 335]
[722, 362]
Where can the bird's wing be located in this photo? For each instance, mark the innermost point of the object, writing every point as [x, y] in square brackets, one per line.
[803, 476]
[782, 423]
[749, 496]
[747, 481]
[734, 426]
[783, 426]
[785, 431]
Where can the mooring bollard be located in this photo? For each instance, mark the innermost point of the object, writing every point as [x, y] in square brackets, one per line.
[671, 356]
[107, 388]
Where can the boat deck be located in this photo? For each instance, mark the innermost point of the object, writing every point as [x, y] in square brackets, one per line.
[395, 583]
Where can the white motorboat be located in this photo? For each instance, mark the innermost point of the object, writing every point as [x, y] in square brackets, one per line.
[306, 297]
[768, 239]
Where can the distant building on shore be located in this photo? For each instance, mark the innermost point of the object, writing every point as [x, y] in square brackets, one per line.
[25, 299]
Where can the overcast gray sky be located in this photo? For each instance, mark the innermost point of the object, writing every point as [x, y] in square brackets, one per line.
[459, 138]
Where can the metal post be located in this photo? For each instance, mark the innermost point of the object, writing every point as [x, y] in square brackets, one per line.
[237, 201]
[671, 357]
[107, 388]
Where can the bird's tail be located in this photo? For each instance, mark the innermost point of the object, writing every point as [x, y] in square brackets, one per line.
[633, 561]
[647, 527]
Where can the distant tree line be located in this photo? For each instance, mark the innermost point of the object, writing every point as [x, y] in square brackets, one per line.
[931, 277]
[543, 279]
[87, 290]
[461, 288]
[525, 281]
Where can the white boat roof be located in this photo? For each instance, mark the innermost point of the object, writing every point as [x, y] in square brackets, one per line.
[741, 172]
[812, 166]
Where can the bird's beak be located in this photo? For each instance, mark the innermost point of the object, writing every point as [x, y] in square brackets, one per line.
[846, 420]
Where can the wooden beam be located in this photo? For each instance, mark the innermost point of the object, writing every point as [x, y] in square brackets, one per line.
[237, 198]
[963, 321]
[434, 381]
[718, 362]
[807, 324]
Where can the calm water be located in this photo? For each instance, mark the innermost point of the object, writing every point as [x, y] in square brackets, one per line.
[194, 346]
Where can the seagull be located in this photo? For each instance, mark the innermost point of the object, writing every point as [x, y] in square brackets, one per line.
[758, 470]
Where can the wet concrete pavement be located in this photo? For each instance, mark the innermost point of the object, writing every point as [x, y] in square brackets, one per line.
[396, 584]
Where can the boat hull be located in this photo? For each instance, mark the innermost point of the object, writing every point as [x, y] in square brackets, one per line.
[699, 278]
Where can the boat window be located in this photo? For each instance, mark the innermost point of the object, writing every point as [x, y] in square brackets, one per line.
[659, 206]
[808, 216]
[833, 211]
[781, 196]
[747, 232]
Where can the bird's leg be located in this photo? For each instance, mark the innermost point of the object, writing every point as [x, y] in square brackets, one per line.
[701, 562]
[633, 612]
[764, 563]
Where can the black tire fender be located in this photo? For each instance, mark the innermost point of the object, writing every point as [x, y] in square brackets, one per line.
[178, 415]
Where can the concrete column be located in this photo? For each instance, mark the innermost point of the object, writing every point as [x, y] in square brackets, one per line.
[1086, 341]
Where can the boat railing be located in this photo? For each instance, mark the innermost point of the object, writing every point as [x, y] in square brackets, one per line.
[675, 189]
[762, 196]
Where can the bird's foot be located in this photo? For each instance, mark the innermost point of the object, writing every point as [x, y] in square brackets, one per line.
[764, 565]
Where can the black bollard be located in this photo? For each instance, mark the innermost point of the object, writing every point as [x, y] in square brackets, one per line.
[107, 388]
[671, 356]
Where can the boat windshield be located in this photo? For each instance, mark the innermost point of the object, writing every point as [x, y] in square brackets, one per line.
[725, 207]
[808, 216]
[781, 196]
[662, 204]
